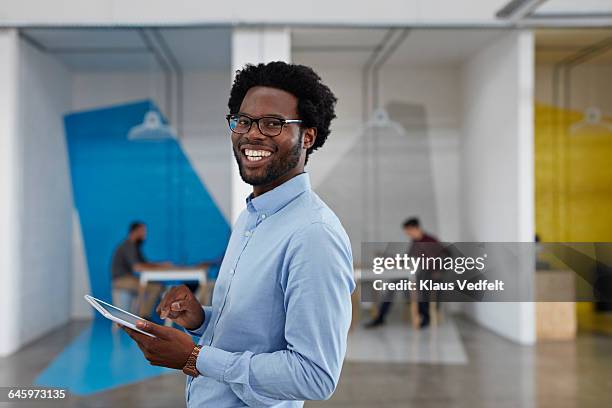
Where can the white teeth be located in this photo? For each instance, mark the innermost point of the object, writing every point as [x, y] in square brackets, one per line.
[256, 153]
[252, 158]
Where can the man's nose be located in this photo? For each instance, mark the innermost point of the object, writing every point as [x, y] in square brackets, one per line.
[254, 133]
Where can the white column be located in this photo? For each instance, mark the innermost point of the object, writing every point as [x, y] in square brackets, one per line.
[10, 155]
[497, 166]
[252, 46]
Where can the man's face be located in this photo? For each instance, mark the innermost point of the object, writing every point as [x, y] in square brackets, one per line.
[413, 233]
[283, 155]
[140, 234]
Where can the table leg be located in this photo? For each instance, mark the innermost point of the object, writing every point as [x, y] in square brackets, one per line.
[142, 289]
[414, 308]
[203, 293]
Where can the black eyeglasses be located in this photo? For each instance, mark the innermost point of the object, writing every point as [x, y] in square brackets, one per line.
[268, 125]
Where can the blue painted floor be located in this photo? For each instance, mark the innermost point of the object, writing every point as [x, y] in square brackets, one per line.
[101, 358]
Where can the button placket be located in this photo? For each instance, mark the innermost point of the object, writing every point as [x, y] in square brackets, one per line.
[232, 272]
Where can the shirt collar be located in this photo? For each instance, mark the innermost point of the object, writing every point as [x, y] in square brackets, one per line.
[275, 199]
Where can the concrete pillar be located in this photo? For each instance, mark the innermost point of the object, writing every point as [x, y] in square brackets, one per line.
[254, 45]
[10, 155]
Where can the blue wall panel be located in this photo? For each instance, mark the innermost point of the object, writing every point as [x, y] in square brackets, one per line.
[116, 181]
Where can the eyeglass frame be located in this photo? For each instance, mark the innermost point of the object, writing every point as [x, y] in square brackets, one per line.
[283, 120]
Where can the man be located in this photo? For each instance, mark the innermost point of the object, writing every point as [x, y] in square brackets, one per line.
[281, 309]
[422, 243]
[128, 258]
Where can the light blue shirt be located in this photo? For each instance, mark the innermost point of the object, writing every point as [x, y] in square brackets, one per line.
[275, 334]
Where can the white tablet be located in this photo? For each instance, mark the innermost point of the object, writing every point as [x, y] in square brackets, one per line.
[115, 314]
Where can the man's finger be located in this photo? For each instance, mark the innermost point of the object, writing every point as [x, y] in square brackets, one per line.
[162, 305]
[169, 301]
[173, 315]
[178, 306]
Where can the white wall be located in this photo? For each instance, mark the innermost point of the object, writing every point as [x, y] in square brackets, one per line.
[497, 165]
[46, 221]
[36, 199]
[80, 273]
[10, 199]
[437, 90]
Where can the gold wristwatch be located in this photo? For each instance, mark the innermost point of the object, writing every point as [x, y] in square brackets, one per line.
[190, 365]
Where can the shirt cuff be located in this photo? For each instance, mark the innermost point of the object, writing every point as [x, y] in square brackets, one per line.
[212, 362]
[200, 330]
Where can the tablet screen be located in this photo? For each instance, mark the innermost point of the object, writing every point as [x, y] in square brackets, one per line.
[118, 313]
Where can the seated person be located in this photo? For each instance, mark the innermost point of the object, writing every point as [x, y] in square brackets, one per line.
[422, 243]
[128, 258]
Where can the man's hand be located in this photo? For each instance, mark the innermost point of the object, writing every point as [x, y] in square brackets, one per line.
[182, 307]
[170, 348]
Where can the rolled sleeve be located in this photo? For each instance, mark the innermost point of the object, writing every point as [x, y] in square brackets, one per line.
[212, 362]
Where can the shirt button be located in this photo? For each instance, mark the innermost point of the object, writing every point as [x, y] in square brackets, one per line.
[263, 216]
[231, 271]
[246, 234]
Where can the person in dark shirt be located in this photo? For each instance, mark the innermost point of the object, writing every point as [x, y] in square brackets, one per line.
[421, 245]
[128, 258]
[427, 245]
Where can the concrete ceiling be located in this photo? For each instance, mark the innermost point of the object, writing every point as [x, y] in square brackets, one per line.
[554, 45]
[560, 7]
[436, 47]
[125, 49]
[104, 49]
[420, 48]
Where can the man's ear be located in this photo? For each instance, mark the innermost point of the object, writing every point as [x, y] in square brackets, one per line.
[310, 135]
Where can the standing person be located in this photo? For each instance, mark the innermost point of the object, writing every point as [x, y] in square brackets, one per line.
[412, 230]
[128, 258]
[276, 332]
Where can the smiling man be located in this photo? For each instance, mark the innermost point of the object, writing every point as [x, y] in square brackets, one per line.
[275, 334]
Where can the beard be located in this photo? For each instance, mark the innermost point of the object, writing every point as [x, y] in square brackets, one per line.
[275, 169]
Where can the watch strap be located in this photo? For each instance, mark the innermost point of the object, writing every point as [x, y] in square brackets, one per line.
[190, 366]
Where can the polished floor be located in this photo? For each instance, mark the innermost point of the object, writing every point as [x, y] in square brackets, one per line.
[396, 343]
[483, 370]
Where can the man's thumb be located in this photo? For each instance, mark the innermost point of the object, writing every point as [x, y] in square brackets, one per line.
[150, 327]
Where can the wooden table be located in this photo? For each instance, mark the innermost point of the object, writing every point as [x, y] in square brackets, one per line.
[555, 320]
[168, 275]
